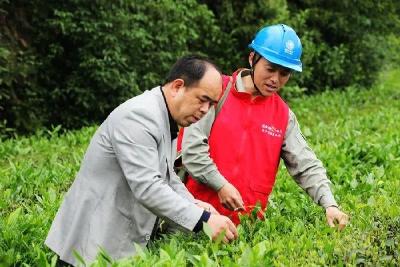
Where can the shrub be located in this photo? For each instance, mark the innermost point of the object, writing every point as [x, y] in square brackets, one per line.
[345, 43]
[81, 59]
[72, 62]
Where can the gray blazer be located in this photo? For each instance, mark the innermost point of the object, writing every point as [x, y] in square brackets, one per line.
[125, 181]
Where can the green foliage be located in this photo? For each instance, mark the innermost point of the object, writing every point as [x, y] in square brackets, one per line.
[19, 102]
[343, 43]
[354, 132]
[346, 40]
[73, 62]
[392, 55]
[238, 21]
[70, 63]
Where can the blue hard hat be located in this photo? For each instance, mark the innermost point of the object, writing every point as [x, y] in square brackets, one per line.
[279, 44]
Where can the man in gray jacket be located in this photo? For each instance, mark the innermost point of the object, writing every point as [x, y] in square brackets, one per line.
[126, 180]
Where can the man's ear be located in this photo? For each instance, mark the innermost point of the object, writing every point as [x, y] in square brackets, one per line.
[177, 85]
[251, 56]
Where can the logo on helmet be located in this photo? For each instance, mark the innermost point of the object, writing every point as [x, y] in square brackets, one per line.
[289, 46]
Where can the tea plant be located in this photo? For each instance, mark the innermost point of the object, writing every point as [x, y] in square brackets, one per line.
[354, 132]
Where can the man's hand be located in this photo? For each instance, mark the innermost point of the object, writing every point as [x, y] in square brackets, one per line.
[230, 197]
[208, 207]
[219, 223]
[335, 216]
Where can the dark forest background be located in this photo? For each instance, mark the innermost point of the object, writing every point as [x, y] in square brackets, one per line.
[71, 62]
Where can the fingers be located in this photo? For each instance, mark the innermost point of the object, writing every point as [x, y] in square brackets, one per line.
[226, 206]
[230, 197]
[231, 204]
[233, 229]
[218, 224]
[234, 203]
[335, 216]
[330, 221]
[344, 219]
[229, 235]
[230, 231]
[238, 203]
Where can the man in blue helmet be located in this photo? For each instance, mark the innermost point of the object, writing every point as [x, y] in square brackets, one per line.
[233, 153]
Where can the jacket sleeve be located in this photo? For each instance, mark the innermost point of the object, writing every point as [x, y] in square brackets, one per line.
[135, 139]
[303, 165]
[180, 188]
[195, 153]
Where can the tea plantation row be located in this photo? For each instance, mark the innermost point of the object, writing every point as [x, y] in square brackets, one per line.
[355, 133]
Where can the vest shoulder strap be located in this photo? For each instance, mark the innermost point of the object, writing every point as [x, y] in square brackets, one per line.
[225, 92]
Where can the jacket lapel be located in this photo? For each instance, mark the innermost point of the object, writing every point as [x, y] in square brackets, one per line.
[166, 134]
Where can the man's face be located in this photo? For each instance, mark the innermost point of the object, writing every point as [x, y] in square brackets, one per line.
[191, 104]
[268, 77]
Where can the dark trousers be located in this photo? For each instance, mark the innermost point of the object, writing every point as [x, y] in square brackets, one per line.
[61, 263]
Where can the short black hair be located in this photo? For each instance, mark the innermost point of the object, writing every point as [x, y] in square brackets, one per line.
[190, 68]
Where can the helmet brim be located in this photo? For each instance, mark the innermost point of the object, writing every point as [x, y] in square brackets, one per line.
[271, 56]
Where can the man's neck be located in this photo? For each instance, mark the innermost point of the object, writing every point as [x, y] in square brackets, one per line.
[248, 85]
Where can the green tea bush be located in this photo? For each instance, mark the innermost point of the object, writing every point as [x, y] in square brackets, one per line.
[237, 22]
[70, 62]
[354, 132]
[73, 62]
[346, 40]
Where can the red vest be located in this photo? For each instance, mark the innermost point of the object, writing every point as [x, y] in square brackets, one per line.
[245, 144]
